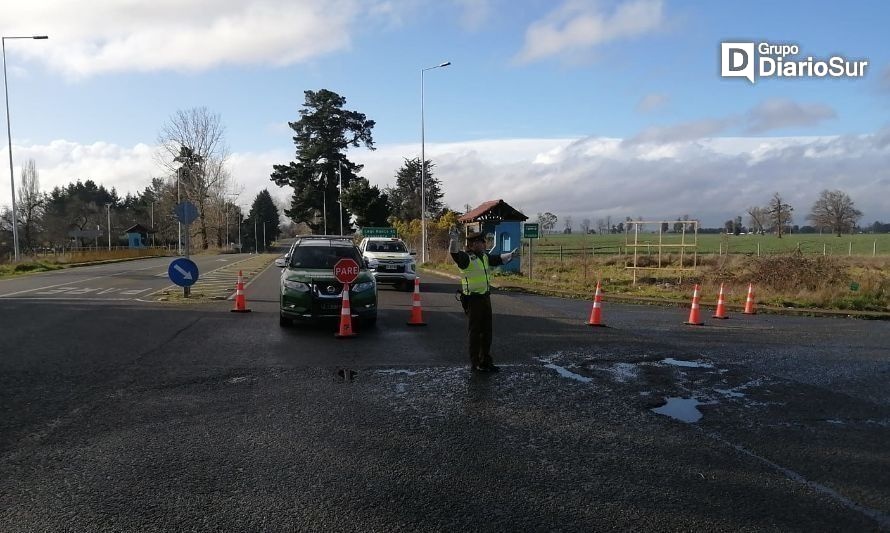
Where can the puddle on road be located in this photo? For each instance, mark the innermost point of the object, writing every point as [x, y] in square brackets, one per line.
[682, 409]
[567, 373]
[686, 364]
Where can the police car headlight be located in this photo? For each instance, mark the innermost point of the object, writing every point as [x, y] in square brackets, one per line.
[298, 286]
[362, 287]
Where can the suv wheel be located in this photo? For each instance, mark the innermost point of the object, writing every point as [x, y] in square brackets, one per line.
[284, 321]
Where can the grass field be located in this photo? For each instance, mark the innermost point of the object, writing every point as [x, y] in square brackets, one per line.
[783, 276]
[48, 262]
[864, 245]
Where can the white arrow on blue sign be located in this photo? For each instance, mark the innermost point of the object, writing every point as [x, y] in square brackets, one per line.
[186, 212]
[183, 272]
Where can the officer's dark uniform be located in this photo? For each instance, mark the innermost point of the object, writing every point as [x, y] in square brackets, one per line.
[476, 299]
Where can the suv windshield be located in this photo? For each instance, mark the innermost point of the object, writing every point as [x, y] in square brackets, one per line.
[317, 257]
[391, 247]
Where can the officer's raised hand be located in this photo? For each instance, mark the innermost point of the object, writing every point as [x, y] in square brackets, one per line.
[454, 237]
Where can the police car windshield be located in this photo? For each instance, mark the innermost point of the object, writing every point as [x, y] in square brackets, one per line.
[387, 247]
[318, 257]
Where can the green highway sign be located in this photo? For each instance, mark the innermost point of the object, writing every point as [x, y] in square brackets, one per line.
[379, 232]
[530, 230]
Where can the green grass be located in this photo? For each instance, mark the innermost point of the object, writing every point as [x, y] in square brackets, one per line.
[859, 283]
[810, 244]
[60, 261]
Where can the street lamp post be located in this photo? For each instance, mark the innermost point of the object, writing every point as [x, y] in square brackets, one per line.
[15, 224]
[340, 192]
[423, 166]
[108, 213]
[240, 221]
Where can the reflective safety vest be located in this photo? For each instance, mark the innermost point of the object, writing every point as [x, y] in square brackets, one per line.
[475, 276]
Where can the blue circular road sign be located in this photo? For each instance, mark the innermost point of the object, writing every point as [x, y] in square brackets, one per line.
[183, 272]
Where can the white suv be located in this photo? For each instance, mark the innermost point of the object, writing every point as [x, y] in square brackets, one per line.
[389, 260]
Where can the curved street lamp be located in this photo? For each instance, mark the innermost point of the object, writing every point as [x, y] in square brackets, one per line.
[423, 166]
[15, 230]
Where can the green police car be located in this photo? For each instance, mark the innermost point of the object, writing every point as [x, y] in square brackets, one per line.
[309, 289]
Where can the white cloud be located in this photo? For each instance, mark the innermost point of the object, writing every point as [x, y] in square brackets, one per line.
[87, 38]
[652, 102]
[711, 179]
[778, 113]
[686, 131]
[474, 13]
[581, 25]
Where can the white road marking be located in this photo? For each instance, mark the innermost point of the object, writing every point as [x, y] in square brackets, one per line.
[135, 291]
[49, 286]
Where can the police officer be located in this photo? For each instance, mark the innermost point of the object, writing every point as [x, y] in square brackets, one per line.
[475, 268]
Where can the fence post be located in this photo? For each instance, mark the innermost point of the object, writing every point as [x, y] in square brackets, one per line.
[758, 249]
[849, 253]
[560, 254]
[874, 248]
[823, 248]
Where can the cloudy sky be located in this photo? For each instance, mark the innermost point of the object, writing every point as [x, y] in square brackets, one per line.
[584, 108]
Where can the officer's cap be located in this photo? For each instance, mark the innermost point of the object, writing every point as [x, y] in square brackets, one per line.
[475, 236]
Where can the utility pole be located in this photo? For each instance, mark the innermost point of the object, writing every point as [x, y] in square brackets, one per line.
[108, 212]
[340, 192]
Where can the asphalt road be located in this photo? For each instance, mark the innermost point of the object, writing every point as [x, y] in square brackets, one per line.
[121, 281]
[140, 416]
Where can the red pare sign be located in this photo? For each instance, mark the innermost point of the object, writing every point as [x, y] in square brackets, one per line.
[346, 270]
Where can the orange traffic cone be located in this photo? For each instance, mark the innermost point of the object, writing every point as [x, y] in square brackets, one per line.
[597, 309]
[240, 300]
[416, 309]
[750, 308]
[693, 313]
[721, 305]
[345, 316]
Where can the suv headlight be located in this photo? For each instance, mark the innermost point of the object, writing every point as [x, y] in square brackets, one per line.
[411, 265]
[298, 286]
[373, 263]
[362, 287]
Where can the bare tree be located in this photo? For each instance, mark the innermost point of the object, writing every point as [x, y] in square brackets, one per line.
[835, 210]
[31, 204]
[547, 221]
[779, 213]
[601, 226]
[757, 218]
[568, 222]
[585, 226]
[193, 149]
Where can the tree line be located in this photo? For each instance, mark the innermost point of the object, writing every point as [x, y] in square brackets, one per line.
[833, 212]
[192, 160]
